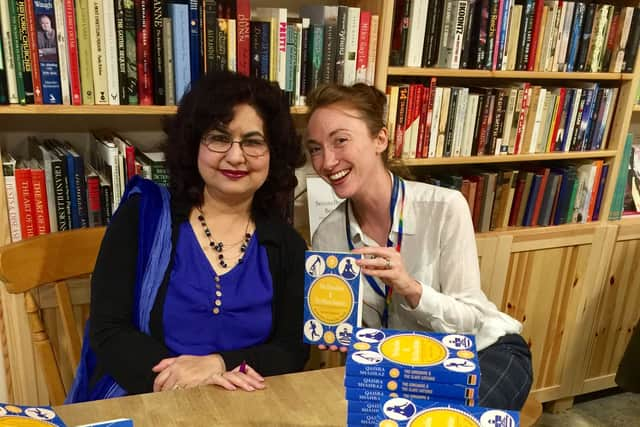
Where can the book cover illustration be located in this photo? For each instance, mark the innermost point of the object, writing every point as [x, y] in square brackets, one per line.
[28, 416]
[414, 357]
[403, 412]
[333, 306]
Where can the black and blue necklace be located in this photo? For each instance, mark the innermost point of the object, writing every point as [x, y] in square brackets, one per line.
[219, 246]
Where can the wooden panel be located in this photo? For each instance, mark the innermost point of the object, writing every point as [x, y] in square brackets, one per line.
[493, 256]
[617, 312]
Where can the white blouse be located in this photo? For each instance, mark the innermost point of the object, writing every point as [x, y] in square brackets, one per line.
[439, 251]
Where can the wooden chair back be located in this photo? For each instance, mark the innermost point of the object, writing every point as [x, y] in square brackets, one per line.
[53, 259]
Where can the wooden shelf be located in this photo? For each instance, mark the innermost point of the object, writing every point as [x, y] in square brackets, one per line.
[520, 75]
[549, 229]
[475, 160]
[103, 110]
[636, 108]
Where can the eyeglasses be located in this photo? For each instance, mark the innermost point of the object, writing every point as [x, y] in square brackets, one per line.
[217, 142]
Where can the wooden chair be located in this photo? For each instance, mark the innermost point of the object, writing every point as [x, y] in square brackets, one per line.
[55, 258]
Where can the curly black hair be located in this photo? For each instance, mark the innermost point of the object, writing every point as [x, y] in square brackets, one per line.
[209, 103]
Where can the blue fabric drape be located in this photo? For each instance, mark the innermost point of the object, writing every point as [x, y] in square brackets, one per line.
[154, 251]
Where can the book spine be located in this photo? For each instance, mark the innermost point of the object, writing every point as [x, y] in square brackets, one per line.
[210, 35]
[85, 53]
[96, 27]
[144, 57]
[130, 44]
[111, 52]
[167, 61]
[94, 208]
[73, 59]
[40, 202]
[194, 40]
[243, 36]
[9, 169]
[159, 84]
[25, 46]
[33, 52]
[25, 202]
[181, 70]
[7, 46]
[63, 51]
[363, 46]
[48, 54]
[16, 51]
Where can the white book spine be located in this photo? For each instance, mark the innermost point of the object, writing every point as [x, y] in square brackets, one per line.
[7, 47]
[48, 177]
[111, 51]
[373, 49]
[624, 37]
[469, 120]
[461, 112]
[63, 51]
[415, 37]
[12, 207]
[435, 120]
[538, 119]
[351, 46]
[508, 119]
[96, 34]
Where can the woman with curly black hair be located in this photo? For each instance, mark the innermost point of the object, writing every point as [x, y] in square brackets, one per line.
[199, 283]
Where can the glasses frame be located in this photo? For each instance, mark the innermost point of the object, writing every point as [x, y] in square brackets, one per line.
[240, 141]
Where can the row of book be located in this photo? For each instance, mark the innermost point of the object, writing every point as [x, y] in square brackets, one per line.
[427, 121]
[531, 35]
[54, 188]
[150, 51]
[533, 196]
[393, 375]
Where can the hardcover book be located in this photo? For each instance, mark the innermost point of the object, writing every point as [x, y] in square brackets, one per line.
[333, 306]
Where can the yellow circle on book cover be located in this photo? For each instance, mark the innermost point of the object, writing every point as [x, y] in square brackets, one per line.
[443, 417]
[13, 421]
[330, 300]
[413, 350]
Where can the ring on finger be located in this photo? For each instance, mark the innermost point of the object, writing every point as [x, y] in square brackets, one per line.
[387, 263]
[177, 387]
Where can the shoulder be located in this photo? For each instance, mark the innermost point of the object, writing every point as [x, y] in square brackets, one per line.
[429, 194]
[330, 228]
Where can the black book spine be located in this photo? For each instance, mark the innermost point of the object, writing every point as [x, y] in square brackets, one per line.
[469, 44]
[129, 26]
[451, 122]
[341, 49]
[586, 37]
[122, 52]
[211, 34]
[25, 50]
[631, 50]
[304, 62]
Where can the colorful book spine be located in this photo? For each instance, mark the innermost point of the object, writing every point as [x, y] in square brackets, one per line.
[144, 55]
[48, 52]
[85, 53]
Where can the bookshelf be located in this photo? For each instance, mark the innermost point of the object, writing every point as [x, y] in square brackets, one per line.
[556, 280]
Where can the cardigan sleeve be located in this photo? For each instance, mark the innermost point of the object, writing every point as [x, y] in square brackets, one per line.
[284, 351]
[122, 351]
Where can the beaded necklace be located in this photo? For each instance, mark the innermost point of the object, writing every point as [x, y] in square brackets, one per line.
[219, 246]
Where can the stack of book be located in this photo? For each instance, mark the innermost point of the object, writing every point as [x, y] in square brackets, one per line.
[415, 365]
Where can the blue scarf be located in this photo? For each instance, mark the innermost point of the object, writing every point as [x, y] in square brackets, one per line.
[154, 251]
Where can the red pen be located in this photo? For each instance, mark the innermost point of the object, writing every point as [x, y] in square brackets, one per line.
[243, 367]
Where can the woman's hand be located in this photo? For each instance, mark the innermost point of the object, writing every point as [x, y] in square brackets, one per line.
[386, 264]
[191, 371]
[333, 347]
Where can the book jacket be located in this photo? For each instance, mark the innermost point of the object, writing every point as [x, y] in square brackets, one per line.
[333, 306]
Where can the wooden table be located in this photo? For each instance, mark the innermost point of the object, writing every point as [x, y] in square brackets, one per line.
[312, 398]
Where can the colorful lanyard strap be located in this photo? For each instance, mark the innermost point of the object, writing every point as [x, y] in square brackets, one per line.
[398, 184]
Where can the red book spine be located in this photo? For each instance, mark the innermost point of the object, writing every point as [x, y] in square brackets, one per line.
[517, 199]
[143, 52]
[594, 189]
[74, 61]
[130, 159]
[429, 119]
[535, 34]
[25, 202]
[424, 106]
[33, 47]
[539, 197]
[558, 117]
[403, 104]
[487, 113]
[40, 201]
[362, 57]
[94, 206]
[522, 118]
[243, 40]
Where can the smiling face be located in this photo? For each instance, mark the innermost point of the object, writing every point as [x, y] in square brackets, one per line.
[342, 150]
[234, 175]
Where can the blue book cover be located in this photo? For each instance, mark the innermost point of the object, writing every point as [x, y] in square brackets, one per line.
[120, 422]
[179, 14]
[574, 42]
[32, 416]
[531, 201]
[48, 51]
[412, 357]
[332, 303]
[265, 50]
[570, 98]
[73, 186]
[404, 412]
[603, 180]
[373, 407]
[194, 39]
[360, 395]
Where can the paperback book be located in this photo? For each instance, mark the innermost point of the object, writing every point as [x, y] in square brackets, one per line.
[31, 416]
[333, 306]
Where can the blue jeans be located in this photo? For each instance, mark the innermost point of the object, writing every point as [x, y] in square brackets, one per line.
[506, 372]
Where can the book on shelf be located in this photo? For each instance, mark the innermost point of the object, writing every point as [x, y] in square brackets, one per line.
[333, 297]
[18, 415]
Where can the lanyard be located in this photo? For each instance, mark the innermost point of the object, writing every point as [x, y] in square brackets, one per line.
[398, 184]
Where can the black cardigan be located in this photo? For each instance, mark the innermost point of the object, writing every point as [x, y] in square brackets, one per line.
[128, 355]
